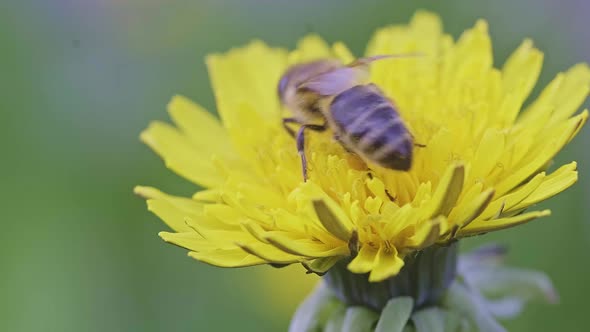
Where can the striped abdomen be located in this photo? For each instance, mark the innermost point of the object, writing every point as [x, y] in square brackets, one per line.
[367, 123]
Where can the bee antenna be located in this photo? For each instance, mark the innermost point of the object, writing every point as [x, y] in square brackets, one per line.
[369, 59]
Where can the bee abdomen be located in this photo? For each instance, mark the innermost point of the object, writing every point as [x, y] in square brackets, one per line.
[370, 126]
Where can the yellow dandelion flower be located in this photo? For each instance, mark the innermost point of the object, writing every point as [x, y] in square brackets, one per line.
[484, 162]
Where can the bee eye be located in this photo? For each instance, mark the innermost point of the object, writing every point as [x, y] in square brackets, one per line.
[282, 86]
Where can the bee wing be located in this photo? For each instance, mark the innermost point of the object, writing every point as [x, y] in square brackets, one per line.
[334, 82]
[341, 79]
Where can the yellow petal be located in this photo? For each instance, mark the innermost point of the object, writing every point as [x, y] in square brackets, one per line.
[507, 202]
[246, 207]
[472, 208]
[547, 149]
[247, 76]
[331, 222]
[489, 151]
[269, 253]
[227, 258]
[173, 217]
[427, 234]
[208, 226]
[202, 128]
[364, 260]
[519, 75]
[309, 48]
[542, 107]
[373, 205]
[186, 205]
[422, 194]
[254, 229]
[297, 224]
[484, 226]
[552, 185]
[470, 60]
[342, 52]
[573, 92]
[224, 212]
[387, 264]
[377, 188]
[188, 240]
[427, 29]
[403, 217]
[321, 265]
[584, 118]
[561, 98]
[180, 155]
[447, 192]
[336, 219]
[306, 247]
[208, 195]
[180, 212]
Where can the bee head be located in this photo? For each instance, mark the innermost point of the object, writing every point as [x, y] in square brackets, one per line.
[288, 87]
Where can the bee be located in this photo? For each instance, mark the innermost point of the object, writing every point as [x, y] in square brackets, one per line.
[328, 94]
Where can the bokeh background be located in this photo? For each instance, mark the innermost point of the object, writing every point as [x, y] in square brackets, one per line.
[80, 79]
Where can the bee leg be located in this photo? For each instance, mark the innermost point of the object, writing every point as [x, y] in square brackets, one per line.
[286, 122]
[301, 144]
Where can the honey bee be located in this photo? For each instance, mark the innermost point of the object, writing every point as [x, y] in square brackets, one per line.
[328, 94]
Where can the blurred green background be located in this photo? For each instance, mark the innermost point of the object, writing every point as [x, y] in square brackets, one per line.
[80, 79]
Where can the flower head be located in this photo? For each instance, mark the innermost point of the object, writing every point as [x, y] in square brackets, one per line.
[484, 160]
